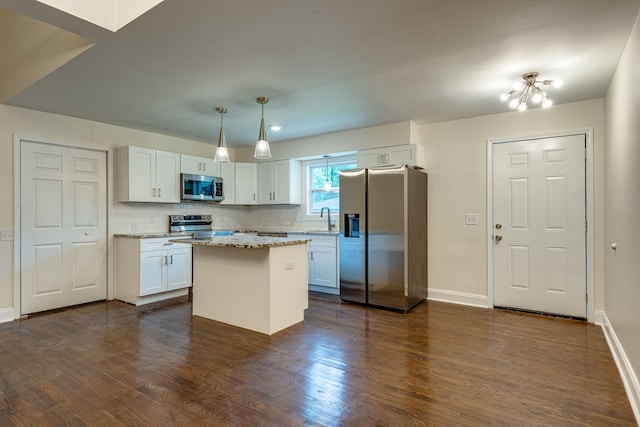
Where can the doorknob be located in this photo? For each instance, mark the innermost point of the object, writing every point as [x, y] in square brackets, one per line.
[498, 238]
[498, 226]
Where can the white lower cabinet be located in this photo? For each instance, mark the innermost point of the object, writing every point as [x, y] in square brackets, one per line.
[323, 264]
[149, 270]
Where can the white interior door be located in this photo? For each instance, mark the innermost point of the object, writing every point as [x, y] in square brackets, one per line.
[539, 225]
[63, 259]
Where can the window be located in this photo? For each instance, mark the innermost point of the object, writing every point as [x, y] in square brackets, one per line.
[323, 182]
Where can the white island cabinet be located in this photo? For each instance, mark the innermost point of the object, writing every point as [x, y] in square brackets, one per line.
[256, 283]
[146, 175]
[151, 269]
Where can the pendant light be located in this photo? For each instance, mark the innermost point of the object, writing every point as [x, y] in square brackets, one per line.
[262, 146]
[327, 182]
[222, 154]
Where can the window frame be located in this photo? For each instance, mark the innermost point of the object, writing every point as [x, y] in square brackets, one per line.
[306, 181]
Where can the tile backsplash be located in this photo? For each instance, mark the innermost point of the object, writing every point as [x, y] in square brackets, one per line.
[154, 217]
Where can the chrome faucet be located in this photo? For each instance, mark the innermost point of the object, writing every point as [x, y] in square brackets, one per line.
[328, 217]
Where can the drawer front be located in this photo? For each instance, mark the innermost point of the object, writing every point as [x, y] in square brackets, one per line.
[325, 241]
[160, 243]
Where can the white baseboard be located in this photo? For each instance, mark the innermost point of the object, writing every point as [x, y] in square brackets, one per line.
[458, 298]
[629, 377]
[597, 317]
[6, 314]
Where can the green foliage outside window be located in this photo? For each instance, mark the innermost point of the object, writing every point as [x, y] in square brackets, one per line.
[321, 193]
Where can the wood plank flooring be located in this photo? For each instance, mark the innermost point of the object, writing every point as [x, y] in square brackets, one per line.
[112, 364]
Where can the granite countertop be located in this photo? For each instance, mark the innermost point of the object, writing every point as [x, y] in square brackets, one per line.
[155, 235]
[304, 232]
[245, 242]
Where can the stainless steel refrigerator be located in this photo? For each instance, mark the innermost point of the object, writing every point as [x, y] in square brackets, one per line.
[383, 236]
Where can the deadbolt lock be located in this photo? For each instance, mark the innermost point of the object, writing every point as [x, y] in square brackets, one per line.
[498, 226]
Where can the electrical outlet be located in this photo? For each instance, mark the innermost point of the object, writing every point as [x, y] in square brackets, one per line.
[6, 234]
[134, 228]
[471, 219]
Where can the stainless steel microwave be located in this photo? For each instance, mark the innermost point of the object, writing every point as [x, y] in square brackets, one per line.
[201, 188]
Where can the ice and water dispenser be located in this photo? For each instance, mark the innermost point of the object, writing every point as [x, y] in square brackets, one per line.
[352, 225]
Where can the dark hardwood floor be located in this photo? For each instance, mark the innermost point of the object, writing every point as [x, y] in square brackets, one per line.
[112, 364]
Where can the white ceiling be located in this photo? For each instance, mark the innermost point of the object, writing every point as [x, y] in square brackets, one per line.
[327, 65]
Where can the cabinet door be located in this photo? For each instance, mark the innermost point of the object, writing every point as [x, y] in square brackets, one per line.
[281, 182]
[190, 164]
[401, 155]
[322, 266]
[142, 174]
[152, 272]
[246, 183]
[167, 177]
[371, 157]
[266, 183]
[178, 268]
[228, 175]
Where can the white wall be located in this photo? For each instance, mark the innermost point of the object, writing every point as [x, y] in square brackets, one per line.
[52, 128]
[622, 201]
[456, 163]
[456, 154]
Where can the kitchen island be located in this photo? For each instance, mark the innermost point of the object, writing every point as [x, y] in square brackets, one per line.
[254, 282]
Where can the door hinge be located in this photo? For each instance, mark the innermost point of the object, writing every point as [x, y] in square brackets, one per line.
[586, 225]
[585, 154]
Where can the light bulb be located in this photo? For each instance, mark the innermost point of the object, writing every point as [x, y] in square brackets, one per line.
[547, 103]
[522, 106]
[557, 83]
[513, 103]
[504, 96]
[327, 185]
[222, 155]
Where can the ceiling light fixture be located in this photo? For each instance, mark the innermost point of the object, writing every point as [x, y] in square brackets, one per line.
[222, 154]
[526, 89]
[262, 146]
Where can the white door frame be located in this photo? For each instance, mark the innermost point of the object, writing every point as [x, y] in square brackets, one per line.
[17, 223]
[590, 245]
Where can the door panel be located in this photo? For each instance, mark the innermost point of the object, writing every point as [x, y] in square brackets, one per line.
[539, 214]
[63, 258]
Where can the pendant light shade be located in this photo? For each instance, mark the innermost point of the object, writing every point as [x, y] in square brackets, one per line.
[262, 146]
[222, 154]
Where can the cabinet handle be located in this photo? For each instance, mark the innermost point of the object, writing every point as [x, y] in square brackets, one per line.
[154, 192]
[159, 195]
[254, 197]
[204, 166]
[171, 258]
[165, 260]
[311, 253]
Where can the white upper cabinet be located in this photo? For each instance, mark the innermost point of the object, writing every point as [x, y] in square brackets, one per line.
[279, 182]
[228, 175]
[147, 175]
[246, 183]
[408, 154]
[199, 165]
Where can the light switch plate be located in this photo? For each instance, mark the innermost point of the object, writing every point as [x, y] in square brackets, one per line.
[289, 265]
[471, 219]
[6, 234]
